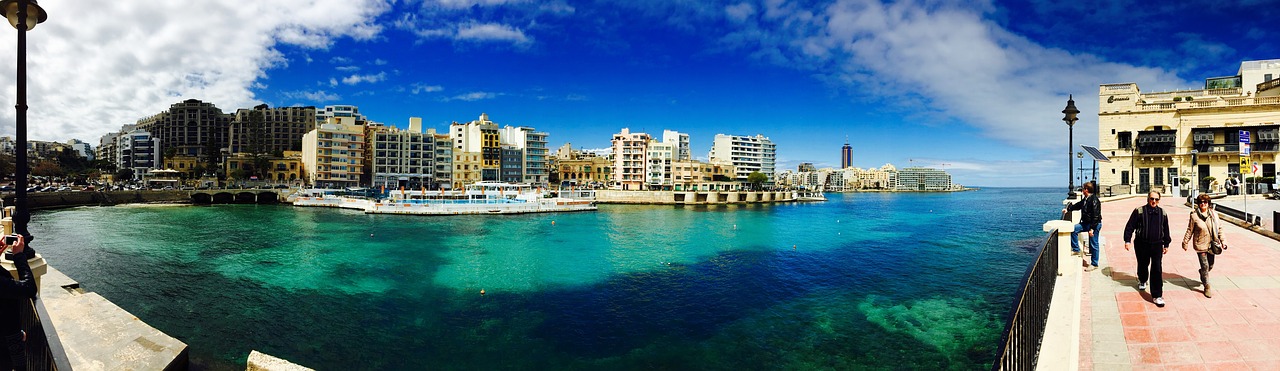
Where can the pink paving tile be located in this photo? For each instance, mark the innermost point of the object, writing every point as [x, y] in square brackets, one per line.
[1258, 316]
[1252, 350]
[1227, 366]
[1134, 320]
[1207, 332]
[1138, 335]
[1227, 317]
[1144, 355]
[1164, 317]
[1241, 331]
[1268, 330]
[1186, 367]
[1171, 334]
[1194, 315]
[1131, 296]
[1217, 351]
[1265, 366]
[1132, 306]
[1179, 353]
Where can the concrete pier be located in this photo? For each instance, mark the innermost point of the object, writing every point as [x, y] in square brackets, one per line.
[692, 197]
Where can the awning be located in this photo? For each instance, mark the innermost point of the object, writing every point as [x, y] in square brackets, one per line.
[1269, 135]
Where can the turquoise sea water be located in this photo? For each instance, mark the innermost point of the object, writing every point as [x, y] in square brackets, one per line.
[867, 281]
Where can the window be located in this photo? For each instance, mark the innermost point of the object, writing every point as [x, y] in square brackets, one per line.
[1124, 140]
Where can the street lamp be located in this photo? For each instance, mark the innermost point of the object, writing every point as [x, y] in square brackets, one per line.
[23, 15]
[1080, 168]
[1070, 118]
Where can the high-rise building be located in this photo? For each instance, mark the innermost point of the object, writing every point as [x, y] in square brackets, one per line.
[846, 155]
[1190, 136]
[83, 149]
[404, 157]
[190, 127]
[922, 179]
[476, 140]
[270, 130]
[746, 154]
[629, 156]
[679, 141]
[658, 173]
[138, 151]
[511, 169]
[533, 143]
[333, 153]
[444, 160]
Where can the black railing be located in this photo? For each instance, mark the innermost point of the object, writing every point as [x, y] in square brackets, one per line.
[43, 348]
[1023, 333]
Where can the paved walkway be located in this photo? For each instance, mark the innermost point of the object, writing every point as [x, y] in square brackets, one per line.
[1237, 329]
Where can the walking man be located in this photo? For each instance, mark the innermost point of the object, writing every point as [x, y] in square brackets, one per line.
[1151, 242]
[1090, 221]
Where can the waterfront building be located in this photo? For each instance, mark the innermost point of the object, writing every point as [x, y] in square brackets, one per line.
[190, 127]
[877, 178]
[629, 152]
[283, 169]
[746, 154]
[479, 137]
[581, 168]
[922, 179]
[333, 153]
[403, 157]
[511, 168]
[467, 168]
[693, 175]
[846, 155]
[270, 130]
[1192, 136]
[658, 171]
[83, 149]
[352, 112]
[108, 149]
[680, 142]
[533, 144]
[137, 151]
[444, 160]
[187, 167]
[806, 167]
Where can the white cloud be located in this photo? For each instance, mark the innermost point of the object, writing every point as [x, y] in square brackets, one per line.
[474, 96]
[313, 96]
[356, 79]
[491, 32]
[426, 27]
[424, 88]
[89, 73]
[347, 68]
[333, 82]
[948, 61]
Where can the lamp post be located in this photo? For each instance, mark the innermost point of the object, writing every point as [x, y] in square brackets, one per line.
[23, 15]
[1070, 118]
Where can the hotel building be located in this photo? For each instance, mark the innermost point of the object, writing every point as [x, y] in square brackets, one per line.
[746, 154]
[1159, 139]
[190, 128]
[629, 160]
[270, 130]
[333, 153]
[581, 168]
[534, 164]
[477, 151]
[404, 158]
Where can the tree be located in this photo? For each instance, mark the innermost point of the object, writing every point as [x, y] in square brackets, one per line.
[7, 165]
[123, 175]
[757, 179]
[47, 168]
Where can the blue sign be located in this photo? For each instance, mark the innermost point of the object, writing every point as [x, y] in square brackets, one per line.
[1244, 136]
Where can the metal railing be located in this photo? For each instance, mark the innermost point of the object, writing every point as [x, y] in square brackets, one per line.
[43, 348]
[1023, 333]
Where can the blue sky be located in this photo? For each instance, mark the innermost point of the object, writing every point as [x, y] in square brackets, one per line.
[972, 87]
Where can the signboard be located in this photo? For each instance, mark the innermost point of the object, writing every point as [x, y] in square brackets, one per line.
[1245, 166]
[1244, 149]
[1244, 137]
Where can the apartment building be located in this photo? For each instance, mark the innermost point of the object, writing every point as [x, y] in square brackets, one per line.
[534, 158]
[746, 154]
[680, 144]
[1162, 140]
[572, 168]
[693, 175]
[629, 155]
[922, 179]
[658, 173]
[444, 160]
[333, 153]
[478, 139]
[137, 151]
[190, 127]
[270, 130]
[404, 158]
[328, 112]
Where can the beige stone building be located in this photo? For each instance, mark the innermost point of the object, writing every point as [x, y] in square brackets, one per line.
[1157, 139]
[333, 153]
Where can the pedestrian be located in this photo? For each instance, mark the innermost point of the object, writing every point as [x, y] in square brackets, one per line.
[1148, 228]
[1203, 231]
[1090, 220]
[14, 293]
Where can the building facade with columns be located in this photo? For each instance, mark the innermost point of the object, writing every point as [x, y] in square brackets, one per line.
[1158, 139]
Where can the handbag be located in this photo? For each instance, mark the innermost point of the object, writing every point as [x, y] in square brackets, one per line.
[1215, 244]
[1215, 247]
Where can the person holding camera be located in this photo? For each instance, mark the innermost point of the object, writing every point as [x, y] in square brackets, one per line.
[14, 293]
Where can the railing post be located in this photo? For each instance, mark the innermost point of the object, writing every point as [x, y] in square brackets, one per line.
[1066, 265]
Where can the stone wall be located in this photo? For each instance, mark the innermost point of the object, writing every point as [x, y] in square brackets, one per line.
[53, 200]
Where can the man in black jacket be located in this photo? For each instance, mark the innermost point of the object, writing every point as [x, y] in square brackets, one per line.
[1090, 220]
[1152, 242]
[13, 295]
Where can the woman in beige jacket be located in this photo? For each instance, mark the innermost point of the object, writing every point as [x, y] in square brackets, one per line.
[1203, 227]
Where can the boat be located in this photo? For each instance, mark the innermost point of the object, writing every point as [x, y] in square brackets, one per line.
[810, 196]
[479, 198]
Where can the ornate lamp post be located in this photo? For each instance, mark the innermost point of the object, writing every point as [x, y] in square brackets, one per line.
[23, 15]
[1070, 118]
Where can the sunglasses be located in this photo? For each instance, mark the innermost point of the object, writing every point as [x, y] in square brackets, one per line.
[1152, 199]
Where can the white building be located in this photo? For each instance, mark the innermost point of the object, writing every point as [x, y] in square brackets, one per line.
[629, 159]
[746, 154]
[137, 151]
[323, 115]
[404, 158]
[333, 153]
[922, 179]
[658, 171]
[533, 144]
[84, 149]
[680, 142]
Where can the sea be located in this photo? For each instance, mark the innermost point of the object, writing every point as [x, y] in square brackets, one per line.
[861, 281]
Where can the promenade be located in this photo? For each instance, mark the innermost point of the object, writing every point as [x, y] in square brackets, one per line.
[1237, 329]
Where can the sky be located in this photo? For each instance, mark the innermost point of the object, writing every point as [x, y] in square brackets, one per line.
[973, 87]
